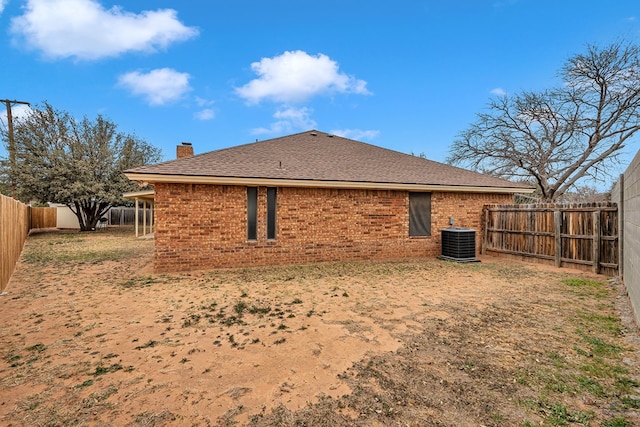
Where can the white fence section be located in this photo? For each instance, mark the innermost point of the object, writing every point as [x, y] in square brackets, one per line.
[66, 218]
[626, 193]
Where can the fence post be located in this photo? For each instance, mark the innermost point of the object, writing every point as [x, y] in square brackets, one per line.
[486, 230]
[596, 241]
[557, 224]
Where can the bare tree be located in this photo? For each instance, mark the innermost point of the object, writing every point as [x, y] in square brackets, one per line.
[75, 162]
[585, 194]
[558, 136]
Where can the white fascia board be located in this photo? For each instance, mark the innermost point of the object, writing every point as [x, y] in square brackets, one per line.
[143, 194]
[145, 179]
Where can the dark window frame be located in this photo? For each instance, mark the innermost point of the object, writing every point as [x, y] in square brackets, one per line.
[252, 213]
[419, 214]
[272, 209]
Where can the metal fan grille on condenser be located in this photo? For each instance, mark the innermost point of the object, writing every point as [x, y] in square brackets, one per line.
[459, 244]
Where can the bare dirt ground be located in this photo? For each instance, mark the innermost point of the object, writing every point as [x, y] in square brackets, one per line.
[91, 336]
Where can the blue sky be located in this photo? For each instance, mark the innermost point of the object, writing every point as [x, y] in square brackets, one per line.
[406, 75]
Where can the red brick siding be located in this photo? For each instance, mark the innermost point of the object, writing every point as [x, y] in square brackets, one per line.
[205, 226]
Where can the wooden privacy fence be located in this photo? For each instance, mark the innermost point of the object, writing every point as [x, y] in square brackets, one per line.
[121, 215]
[575, 235]
[44, 217]
[14, 228]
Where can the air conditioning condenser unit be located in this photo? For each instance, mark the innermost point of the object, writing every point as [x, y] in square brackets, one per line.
[459, 244]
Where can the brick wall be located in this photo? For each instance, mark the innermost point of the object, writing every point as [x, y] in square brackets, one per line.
[205, 226]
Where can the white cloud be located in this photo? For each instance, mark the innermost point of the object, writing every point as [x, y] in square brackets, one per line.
[202, 102]
[498, 91]
[3, 3]
[297, 76]
[158, 86]
[289, 120]
[206, 114]
[357, 134]
[84, 29]
[18, 111]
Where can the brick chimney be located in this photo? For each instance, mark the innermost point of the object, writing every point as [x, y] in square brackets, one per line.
[184, 150]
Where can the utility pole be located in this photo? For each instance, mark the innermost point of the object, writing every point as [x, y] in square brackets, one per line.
[11, 147]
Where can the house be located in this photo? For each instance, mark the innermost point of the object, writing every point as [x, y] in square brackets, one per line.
[308, 197]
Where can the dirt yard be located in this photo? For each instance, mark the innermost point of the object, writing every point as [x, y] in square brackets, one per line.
[91, 336]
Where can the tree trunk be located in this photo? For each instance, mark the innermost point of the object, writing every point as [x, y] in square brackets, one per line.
[89, 213]
[78, 212]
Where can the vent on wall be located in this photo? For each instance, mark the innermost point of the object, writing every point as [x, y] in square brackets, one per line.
[459, 244]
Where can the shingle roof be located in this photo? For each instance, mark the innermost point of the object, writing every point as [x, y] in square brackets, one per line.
[318, 156]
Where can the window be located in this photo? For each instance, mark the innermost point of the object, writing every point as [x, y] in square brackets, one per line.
[271, 212]
[252, 213]
[419, 214]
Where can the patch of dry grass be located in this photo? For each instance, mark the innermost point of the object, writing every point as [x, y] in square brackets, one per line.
[91, 337]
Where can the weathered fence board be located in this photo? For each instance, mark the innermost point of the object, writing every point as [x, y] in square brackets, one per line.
[565, 235]
[14, 228]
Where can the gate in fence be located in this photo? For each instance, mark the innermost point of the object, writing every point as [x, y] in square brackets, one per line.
[572, 235]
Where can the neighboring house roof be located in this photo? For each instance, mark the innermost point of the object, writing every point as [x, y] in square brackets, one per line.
[318, 159]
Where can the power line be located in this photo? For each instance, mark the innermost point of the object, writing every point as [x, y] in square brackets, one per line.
[11, 147]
